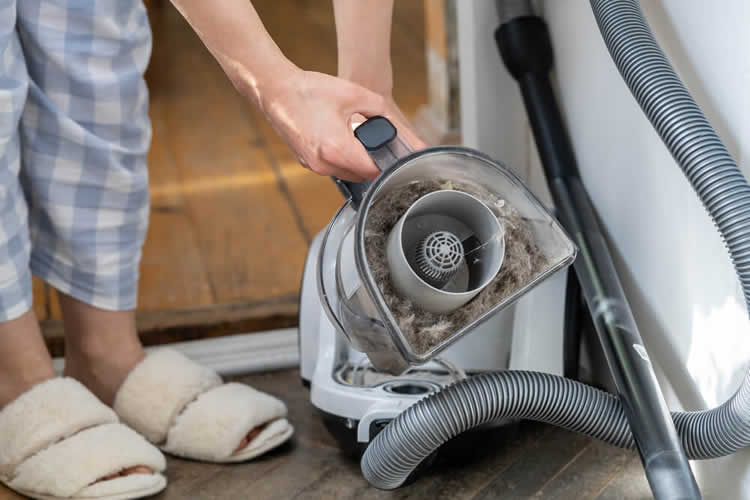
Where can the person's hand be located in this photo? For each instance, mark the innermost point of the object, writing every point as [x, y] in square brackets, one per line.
[312, 113]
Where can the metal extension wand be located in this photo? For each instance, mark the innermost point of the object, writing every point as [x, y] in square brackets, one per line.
[526, 50]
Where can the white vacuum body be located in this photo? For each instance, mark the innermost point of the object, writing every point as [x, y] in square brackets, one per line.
[356, 400]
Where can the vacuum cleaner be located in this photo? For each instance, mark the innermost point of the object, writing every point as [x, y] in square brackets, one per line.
[423, 245]
[407, 269]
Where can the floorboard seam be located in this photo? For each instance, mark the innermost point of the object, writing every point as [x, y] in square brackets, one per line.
[317, 478]
[611, 479]
[527, 448]
[282, 184]
[563, 468]
[188, 207]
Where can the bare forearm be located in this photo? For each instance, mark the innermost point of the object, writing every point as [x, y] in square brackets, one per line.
[235, 35]
[363, 34]
[311, 111]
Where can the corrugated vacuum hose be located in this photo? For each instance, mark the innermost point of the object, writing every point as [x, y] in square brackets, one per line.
[715, 177]
[423, 428]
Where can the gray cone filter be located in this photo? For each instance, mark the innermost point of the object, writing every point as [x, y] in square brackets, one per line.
[444, 250]
[439, 257]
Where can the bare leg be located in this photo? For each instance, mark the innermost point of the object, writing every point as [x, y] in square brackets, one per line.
[24, 359]
[101, 347]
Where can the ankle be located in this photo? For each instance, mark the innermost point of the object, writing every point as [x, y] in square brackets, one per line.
[13, 385]
[101, 347]
[102, 371]
[24, 359]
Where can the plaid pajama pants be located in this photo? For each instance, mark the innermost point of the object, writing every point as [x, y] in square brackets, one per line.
[74, 134]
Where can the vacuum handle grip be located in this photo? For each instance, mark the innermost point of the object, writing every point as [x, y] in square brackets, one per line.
[380, 138]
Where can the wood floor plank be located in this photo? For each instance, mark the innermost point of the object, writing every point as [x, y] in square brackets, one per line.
[202, 481]
[463, 475]
[163, 175]
[172, 272]
[344, 481]
[541, 461]
[589, 473]
[247, 234]
[39, 293]
[53, 298]
[408, 57]
[292, 21]
[628, 484]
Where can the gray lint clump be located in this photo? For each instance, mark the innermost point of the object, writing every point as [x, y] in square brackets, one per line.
[523, 262]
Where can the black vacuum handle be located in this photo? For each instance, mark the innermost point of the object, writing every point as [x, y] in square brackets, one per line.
[380, 138]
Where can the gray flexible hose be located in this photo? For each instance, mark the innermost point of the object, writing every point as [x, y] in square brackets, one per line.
[424, 427]
[688, 135]
[715, 177]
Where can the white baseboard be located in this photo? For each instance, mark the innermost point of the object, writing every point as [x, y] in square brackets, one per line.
[237, 354]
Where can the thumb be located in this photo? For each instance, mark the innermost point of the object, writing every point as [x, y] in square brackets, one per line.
[358, 161]
[365, 102]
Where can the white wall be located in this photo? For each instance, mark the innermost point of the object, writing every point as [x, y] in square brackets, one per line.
[674, 267]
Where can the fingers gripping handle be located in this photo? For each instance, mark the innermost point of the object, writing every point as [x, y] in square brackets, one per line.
[380, 138]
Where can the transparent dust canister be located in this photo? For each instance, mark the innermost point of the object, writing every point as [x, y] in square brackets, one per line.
[440, 241]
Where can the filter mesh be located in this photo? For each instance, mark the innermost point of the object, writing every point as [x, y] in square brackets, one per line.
[439, 256]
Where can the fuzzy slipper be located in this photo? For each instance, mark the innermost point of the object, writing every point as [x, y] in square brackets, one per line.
[186, 410]
[57, 440]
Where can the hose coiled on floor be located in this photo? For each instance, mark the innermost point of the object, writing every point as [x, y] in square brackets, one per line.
[424, 427]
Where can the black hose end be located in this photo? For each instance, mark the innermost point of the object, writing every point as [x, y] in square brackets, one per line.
[525, 46]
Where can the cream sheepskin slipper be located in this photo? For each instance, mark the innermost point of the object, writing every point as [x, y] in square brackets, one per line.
[57, 440]
[187, 410]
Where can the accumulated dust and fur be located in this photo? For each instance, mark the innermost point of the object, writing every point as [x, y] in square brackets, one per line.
[523, 261]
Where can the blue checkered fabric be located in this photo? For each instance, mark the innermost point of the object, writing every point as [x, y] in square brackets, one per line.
[74, 134]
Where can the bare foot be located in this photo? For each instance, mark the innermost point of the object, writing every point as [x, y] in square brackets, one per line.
[138, 469]
[250, 436]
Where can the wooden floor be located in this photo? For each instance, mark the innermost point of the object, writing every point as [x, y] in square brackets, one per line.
[538, 462]
[232, 212]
